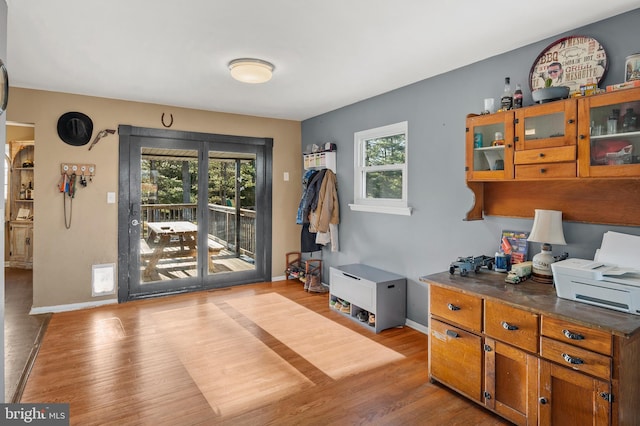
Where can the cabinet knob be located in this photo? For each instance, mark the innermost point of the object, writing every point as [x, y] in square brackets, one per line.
[582, 136]
[571, 121]
[543, 170]
[543, 400]
[452, 333]
[508, 326]
[572, 336]
[453, 307]
[541, 155]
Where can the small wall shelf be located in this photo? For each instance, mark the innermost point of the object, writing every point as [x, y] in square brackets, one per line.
[320, 160]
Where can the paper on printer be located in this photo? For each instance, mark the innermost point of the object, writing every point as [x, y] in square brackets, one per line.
[611, 280]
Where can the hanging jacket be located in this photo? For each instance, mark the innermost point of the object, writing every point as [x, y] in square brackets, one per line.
[311, 194]
[327, 210]
[306, 179]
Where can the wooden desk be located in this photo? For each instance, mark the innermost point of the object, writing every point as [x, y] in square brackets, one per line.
[169, 240]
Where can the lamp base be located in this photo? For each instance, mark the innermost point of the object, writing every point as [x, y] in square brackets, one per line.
[544, 279]
[541, 270]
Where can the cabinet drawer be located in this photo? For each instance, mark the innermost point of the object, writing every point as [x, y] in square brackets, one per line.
[455, 358]
[542, 171]
[577, 335]
[456, 307]
[547, 155]
[353, 289]
[576, 358]
[511, 325]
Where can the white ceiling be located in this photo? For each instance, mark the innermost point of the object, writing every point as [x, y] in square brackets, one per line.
[327, 53]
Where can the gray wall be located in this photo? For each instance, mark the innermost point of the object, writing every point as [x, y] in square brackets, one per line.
[435, 234]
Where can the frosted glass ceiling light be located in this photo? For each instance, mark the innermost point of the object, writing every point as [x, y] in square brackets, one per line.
[252, 71]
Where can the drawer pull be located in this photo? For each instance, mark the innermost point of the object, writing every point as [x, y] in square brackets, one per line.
[572, 360]
[543, 171]
[572, 336]
[453, 307]
[508, 326]
[353, 277]
[543, 400]
[541, 155]
[391, 286]
[452, 333]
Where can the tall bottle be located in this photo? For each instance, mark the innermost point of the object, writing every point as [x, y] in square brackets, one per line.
[506, 101]
[517, 97]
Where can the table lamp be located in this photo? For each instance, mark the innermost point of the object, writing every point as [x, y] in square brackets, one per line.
[547, 229]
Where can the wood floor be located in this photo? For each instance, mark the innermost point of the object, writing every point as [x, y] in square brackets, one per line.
[22, 331]
[224, 357]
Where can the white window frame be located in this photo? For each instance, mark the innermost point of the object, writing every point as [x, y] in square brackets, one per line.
[379, 205]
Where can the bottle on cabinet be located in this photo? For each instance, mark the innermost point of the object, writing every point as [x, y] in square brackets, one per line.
[630, 121]
[517, 97]
[23, 192]
[506, 100]
[29, 191]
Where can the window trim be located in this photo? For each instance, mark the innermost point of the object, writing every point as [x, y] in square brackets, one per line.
[379, 205]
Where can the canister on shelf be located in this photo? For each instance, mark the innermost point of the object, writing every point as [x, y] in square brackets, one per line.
[477, 140]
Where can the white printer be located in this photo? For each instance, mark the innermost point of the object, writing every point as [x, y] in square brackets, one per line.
[611, 280]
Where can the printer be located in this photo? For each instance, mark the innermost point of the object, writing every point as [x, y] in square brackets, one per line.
[611, 280]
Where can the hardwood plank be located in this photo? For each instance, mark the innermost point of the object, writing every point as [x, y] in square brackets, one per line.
[153, 361]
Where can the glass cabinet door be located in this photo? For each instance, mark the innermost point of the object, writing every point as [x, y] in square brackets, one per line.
[489, 147]
[610, 135]
[547, 125]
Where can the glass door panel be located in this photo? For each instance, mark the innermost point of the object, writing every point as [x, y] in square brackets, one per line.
[231, 212]
[168, 201]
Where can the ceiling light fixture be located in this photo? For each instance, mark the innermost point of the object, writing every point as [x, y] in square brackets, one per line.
[248, 70]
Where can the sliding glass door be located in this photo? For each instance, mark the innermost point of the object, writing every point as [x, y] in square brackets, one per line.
[195, 212]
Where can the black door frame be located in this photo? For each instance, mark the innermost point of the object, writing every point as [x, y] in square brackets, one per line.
[130, 137]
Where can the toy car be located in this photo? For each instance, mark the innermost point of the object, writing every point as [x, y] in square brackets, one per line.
[471, 263]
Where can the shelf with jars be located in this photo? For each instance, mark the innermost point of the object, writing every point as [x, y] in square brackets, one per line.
[575, 155]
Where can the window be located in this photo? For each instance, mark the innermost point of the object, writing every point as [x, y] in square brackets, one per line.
[381, 159]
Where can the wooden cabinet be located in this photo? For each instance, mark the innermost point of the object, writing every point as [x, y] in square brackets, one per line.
[455, 358]
[21, 196]
[605, 152]
[21, 244]
[484, 159]
[564, 158]
[570, 398]
[371, 296]
[530, 356]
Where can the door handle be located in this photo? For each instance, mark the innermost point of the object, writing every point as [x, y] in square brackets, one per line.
[135, 222]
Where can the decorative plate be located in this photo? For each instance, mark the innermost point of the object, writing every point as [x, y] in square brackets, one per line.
[571, 61]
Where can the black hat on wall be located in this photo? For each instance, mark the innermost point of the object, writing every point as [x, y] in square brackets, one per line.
[75, 128]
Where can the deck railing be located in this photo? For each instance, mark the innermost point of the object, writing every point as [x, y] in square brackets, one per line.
[222, 226]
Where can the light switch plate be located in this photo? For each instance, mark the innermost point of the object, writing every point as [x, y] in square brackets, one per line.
[111, 197]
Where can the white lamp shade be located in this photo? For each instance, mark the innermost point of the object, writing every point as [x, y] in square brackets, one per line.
[547, 227]
[252, 71]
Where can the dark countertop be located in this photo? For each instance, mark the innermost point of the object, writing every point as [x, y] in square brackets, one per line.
[537, 298]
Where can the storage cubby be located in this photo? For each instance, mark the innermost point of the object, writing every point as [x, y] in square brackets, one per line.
[360, 288]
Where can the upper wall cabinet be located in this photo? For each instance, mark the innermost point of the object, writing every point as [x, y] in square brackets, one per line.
[489, 155]
[580, 156]
[609, 135]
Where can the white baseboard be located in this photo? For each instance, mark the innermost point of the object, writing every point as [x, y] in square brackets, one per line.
[279, 278]
[417, 326]
[70, 307]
